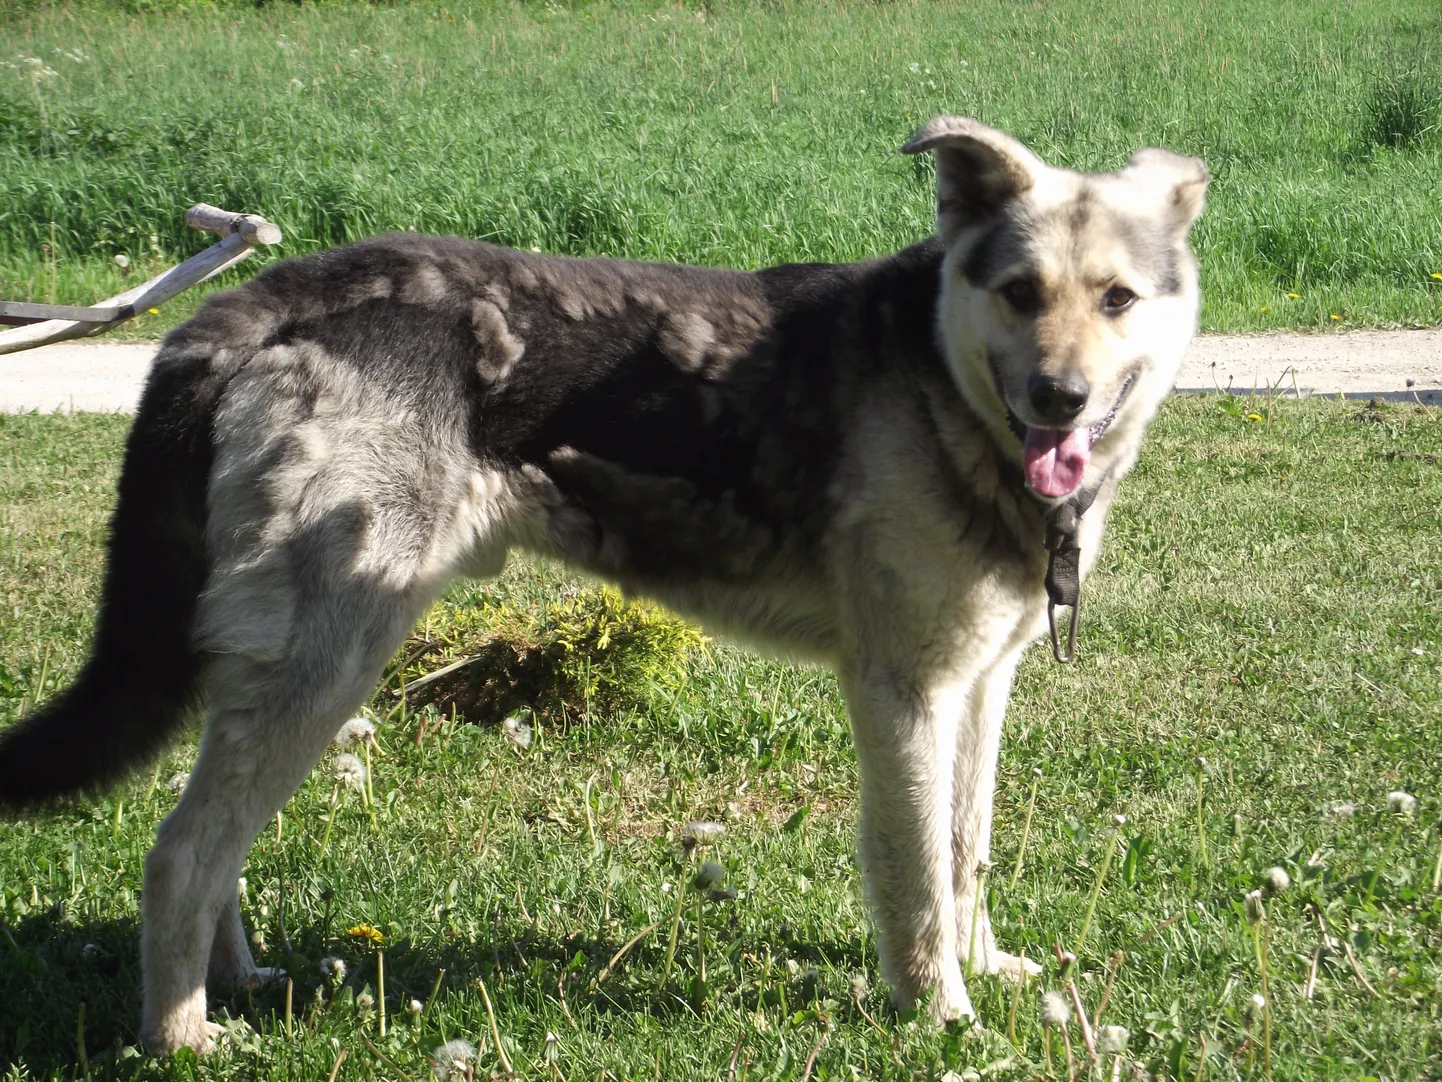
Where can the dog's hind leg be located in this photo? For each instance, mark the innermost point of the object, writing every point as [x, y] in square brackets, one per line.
[270, 721]
[231, 963]
[977, 747]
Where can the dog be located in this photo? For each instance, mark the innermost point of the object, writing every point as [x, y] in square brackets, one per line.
[898, 468]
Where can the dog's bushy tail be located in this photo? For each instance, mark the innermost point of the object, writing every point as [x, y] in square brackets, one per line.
[142, 678]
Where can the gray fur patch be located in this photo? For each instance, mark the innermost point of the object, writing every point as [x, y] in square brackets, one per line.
[499, 347]
[686, 338]
[426, 286]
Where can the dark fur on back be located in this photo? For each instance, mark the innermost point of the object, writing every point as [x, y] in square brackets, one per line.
[601, 374]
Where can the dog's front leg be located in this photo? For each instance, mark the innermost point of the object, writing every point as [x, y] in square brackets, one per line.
[905, 740]
[977, 747]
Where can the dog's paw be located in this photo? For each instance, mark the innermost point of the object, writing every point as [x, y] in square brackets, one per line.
[954, 1011]
[1010, 967]
[199, 1037]
[946, 1003]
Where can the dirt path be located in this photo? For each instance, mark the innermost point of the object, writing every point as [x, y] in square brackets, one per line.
[107, 376]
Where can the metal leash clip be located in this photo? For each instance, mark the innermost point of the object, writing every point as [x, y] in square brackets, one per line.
[1070, 655]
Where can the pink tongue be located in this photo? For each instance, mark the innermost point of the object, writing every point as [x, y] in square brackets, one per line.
[1054, 460]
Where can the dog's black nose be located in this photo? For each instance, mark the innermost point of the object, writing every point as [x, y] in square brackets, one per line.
[1057, 399]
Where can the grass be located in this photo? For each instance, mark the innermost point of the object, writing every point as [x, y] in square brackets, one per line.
[735, 133]
[1258, 645]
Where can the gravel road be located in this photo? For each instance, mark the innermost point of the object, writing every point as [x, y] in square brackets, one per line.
[106, 376]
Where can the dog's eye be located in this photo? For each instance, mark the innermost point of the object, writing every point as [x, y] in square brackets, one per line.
[1022, 295]
[1118, 299]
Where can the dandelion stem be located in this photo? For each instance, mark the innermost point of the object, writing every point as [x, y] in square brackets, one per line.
[289, 999]
[1381, 864]
[329, 822]
[1259, 944]
[590, 819]
[1111, 848]
[370, 798]
[1016, 999]
[431, 999]
[381, 992]
[1201, 822]
[1437, 871]
[80, 1041]
[1025, 832]
[675, 930]
[700, 997]
[495, 1030]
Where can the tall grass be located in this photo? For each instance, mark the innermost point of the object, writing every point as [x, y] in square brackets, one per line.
[733, 133]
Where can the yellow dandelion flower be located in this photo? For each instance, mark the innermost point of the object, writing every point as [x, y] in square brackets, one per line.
[1336, 316]
[1437, 276]
[1265, 308]
[153, 311]
[1293, 296]
[1254, 417]
[366, 932]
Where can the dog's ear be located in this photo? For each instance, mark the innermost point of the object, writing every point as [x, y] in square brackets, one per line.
[978, 169]
[1181, 183]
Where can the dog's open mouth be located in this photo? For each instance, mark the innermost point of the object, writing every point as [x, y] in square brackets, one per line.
[1054, 459]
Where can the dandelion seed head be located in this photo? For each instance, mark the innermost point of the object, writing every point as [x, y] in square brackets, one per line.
[177, 782]
[1342, 809]
[1276, 881]
[349, 770]
[415, 1006]
[365, 1001]
[1254, 906]
[122, 261]
[517, 732]
[709, 875]
[451, 1060]
[1401, 803]
[355, 731]
[333, 969]
[1119, 820]
[704, 833]
[1055, 1010]
[1256, 1005]
[1113, 1039]
[858, 985]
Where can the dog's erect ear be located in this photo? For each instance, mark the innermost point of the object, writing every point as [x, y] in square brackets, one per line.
[977, 170]
[1181, 182]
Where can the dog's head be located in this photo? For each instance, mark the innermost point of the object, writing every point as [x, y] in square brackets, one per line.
[1068, 299]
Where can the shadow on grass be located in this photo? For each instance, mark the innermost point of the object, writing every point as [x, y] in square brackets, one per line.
[52, 969]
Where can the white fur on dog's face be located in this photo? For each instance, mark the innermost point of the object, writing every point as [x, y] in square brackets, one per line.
[1038, 259]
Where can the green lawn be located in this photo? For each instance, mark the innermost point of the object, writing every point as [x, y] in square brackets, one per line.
[1267, 601]
[719, 133]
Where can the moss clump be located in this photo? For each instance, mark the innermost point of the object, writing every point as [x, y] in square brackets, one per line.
[592, 651]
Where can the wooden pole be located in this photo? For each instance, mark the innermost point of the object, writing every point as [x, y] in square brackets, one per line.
[241, 232]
